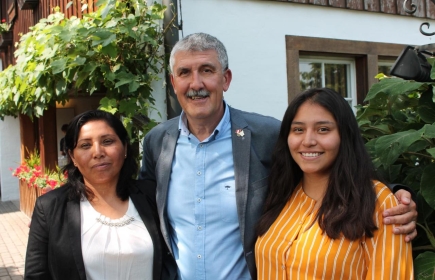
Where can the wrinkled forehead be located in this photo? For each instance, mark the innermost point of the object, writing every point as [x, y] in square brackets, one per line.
[189, 59]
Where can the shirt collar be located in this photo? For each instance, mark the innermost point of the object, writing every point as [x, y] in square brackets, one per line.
[223, 125]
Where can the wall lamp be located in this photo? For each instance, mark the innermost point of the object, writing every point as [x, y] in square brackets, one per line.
[412, 64]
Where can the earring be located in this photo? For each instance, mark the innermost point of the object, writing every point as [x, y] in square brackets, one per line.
[125, 156]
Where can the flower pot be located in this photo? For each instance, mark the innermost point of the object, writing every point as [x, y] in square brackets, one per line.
[27, 4]
[28, 196]
[6, 39]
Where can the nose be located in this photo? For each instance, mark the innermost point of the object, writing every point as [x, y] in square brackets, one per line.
[309, 139]
[196, 82]
[98, 151]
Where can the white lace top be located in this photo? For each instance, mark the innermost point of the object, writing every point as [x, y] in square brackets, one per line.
[115, 249]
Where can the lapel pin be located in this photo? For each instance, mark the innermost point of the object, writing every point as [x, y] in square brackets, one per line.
[240, 133]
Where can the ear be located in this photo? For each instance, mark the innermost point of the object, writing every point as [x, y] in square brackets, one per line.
[71, 155]
[173, 82]
[228, 76]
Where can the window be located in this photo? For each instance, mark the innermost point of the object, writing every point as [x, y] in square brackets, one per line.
[384, 66]
[335, 73]
[348, 66]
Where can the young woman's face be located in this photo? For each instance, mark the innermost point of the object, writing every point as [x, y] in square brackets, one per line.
[99, 154]
[314, 139]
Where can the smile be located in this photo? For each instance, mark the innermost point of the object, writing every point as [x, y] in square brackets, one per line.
[311, 154]
[197, 97]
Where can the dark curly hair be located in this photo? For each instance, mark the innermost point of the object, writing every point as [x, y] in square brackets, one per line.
[349, 202]
[75, 182]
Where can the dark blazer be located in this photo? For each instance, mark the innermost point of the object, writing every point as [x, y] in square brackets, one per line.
[252, 161]
[54, 248]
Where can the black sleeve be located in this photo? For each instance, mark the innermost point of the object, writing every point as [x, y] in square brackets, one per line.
[36, 266]
[395, 187]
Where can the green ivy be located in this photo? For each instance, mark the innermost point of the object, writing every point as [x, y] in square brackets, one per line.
[398, 123]
[116, 50]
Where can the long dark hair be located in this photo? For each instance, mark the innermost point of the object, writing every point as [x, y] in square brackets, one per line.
[75, 183]
[349, 202]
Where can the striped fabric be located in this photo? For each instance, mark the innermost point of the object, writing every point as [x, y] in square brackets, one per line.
[295, 248]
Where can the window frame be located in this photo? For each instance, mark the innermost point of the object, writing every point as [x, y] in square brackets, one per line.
[365, 54]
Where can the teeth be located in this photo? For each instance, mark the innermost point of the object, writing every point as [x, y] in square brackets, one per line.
[311, 154]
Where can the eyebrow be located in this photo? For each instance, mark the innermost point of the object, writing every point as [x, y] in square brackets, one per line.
[317, 123]
[89, 138]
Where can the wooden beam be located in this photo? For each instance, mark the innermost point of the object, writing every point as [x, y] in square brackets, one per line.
[48, 139]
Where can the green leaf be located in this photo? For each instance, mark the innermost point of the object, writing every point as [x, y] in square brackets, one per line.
[108, 102]
[424, 265]
[427, 185]
[390, 147]
[60, 87]
[78, 61]
[110, 50]
[423, 208]
[124, 78]
[133, 86]
[426, 107]
[418, 146]
[393, 86]
[128, 106]
[427, 131]
[103, 38]
[59, 65]
[431, 151]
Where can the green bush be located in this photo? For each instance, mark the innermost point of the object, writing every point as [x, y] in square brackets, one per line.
[116, 50]
[398, 123]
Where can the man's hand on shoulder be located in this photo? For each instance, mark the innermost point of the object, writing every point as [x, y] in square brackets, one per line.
[404, 214]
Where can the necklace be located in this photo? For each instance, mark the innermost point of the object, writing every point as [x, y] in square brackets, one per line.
[126, 220]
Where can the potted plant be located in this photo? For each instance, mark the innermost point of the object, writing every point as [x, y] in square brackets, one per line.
[34, 182]
[398, 123]
[6, 35]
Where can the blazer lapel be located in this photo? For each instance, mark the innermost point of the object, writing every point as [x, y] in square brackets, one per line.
[74, 230]
[142, 206]
[163, 173]
[241, 141]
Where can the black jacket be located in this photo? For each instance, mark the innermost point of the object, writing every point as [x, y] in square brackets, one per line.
[54, 248]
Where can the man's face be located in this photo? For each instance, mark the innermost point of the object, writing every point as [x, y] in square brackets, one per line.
[200, 72]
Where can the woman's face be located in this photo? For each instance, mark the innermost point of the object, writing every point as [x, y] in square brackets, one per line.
[99, 154]
[314, 139]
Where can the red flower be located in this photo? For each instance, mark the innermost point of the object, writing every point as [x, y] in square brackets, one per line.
[3, 20]
[52, 183]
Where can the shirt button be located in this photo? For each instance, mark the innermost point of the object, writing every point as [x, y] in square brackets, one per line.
[198, 173]
[199, 256]
[200, 145]
[199, 227]
[199, 199]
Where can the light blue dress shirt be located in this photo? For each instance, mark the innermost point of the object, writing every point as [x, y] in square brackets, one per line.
[202, 210]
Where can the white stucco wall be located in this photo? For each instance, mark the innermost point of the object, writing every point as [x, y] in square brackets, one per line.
[254, 34]
[10, 158]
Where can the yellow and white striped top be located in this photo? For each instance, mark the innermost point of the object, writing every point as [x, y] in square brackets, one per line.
[295, 248]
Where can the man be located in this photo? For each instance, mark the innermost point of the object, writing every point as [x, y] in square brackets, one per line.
[211, 165]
